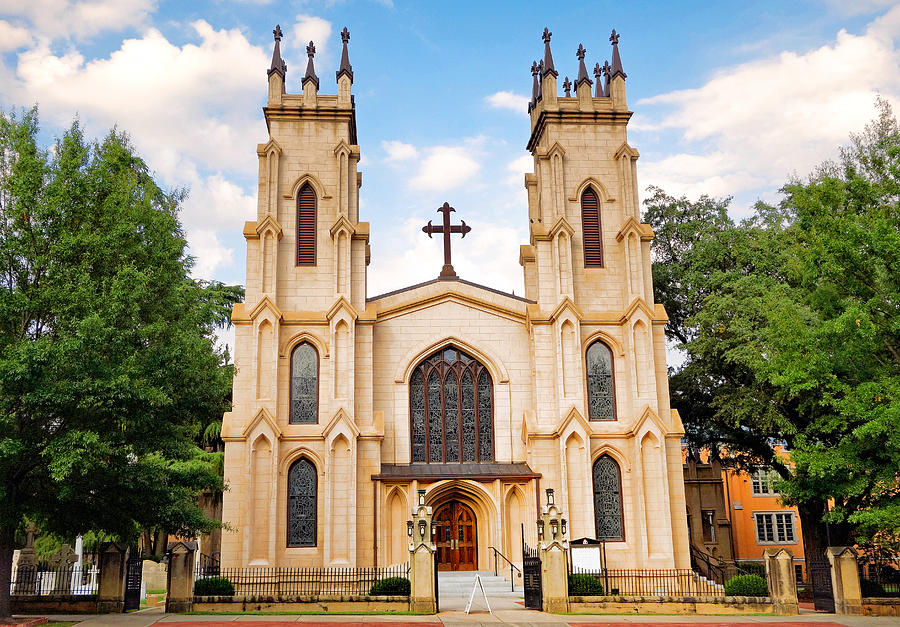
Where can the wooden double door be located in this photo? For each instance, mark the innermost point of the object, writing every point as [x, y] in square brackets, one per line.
[456, 537]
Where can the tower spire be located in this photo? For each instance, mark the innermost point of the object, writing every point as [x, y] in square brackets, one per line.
[598, 91]
[548, 56]
[535, 86]
[540, 91]
[345, 67]
[582, 70]
[616, 59]
[278, 64]
[310, 67]
[607, 68]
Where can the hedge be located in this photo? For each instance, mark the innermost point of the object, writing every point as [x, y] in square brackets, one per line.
[585, 586]
[213, 587]
[392, 586]
[746, 586]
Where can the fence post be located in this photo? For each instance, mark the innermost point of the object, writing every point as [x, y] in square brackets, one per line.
[845, 580]
[180, 578]
[781, 580]
[111, 592]
[554, 560]
[421, 560]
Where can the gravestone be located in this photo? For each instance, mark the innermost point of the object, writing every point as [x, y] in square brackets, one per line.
[62, 563]
[26, 573]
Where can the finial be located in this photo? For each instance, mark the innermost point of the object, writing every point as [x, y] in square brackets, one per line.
[567, 87]
[535, 86]
[616, 60]
[540, 92]
[345, 67]
[278, 64]
[582, 70]
[598, 92]
[310, 67]
[607, 69]
[548, 57]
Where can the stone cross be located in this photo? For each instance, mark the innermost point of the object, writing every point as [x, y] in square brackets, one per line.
[447, 271]
[62, 562]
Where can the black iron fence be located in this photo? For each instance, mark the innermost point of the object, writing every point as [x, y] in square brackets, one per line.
[291, 582]
[654, 583]
[879, 573]
[64, 580]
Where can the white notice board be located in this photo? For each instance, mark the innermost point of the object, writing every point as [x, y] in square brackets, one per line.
[585, 558]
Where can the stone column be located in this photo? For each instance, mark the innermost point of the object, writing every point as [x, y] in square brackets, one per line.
[782, 584]
[111, 592]
[554, 559]
[180, 578]
[845, 580]
[421, 559]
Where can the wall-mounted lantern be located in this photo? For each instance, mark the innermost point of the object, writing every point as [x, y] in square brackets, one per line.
[409, 528]
[421, 497]
[549, 496]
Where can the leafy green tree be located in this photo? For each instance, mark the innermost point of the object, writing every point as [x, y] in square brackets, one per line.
[790, 321]
[108, 368]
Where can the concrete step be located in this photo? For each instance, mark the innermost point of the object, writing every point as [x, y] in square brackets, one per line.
[459, 584]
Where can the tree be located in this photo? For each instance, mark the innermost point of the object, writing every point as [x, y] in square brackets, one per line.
[790, 321]
[108, 367]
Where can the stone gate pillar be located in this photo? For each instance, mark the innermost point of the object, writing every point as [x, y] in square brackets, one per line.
[421, 559]
[180, 577]
[111, 592]
[845, 580]
[554, 558]
[781, 580]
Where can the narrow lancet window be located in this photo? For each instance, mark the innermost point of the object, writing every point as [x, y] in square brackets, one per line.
[306, 226]
[590, 229]
[600, 382]
[302, 485]
[304, 384]
[608, 500]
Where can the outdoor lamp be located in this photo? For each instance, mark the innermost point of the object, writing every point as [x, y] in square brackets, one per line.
[540, 526]
[549, 496]
[554, 527]
[421, 497]
[564, 526]
[409, 528]
[422, 528]
[434, 528]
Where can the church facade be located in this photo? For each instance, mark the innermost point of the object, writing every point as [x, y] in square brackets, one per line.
[347, 405]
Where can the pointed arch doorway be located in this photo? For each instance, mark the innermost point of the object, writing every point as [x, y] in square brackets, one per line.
[456, 536]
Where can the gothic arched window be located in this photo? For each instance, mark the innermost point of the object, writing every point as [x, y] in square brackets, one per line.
[590, 229]
[600, 382]
[451, 409]
[304, 384]
[301, 515]
[608, 520]
[306, 226]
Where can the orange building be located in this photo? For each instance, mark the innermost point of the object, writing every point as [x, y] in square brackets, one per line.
[759, 520]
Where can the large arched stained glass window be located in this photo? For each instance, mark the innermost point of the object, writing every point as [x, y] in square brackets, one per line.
[608, 500]
[451, 409]
[304, 384]
[600, 382]
[301, 516]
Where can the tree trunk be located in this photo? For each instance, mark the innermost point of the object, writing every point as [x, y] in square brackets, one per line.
[817, 537]
[7, 545]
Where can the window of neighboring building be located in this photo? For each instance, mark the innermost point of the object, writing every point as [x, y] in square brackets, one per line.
[709, 525]
[306, 226]
[304, 384]
[590, 229]
[608, 519]
[301, 516]
[775, 527]
[451, 409]
[763, 482]
[600, 382]
[798, 573]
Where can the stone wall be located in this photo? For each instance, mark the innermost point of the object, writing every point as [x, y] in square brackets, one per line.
[673, 605]
[302, 604]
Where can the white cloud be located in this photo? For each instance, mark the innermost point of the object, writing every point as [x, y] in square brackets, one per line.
[310, 28]
[12, 37]
[509, 100]
[762, 121]
[398, 151]
[445, 167]
[78, 20]
[209, 252]
[859, 7]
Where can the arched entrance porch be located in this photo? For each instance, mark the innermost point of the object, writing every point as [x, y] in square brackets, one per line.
[456, 536]
[467, 511]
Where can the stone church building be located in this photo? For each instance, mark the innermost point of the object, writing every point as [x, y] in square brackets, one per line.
[347, 404]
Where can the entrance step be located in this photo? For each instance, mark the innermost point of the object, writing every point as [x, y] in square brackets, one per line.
[459, 584]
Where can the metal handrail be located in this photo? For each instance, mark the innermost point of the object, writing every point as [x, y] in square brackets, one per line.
[512, 580]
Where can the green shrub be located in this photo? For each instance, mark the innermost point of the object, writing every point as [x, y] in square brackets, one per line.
[213, 587]
[392, 586]
[585, 586]
[746, 586]
[871, 588]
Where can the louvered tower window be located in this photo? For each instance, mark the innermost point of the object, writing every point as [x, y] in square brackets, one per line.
[590, 229]
[306, 226]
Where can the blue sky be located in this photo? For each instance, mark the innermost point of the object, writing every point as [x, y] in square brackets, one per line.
[730, 98]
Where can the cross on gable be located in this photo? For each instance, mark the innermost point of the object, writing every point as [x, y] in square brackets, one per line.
[446, 229]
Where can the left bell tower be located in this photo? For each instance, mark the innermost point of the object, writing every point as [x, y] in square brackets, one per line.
[301, 330]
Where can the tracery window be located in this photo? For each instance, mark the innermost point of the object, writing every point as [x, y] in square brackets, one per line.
[451, 409]
[600, 382]
[608, 500]
[304, 384]
[306, 226]
[590, 229]
[301, 516]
